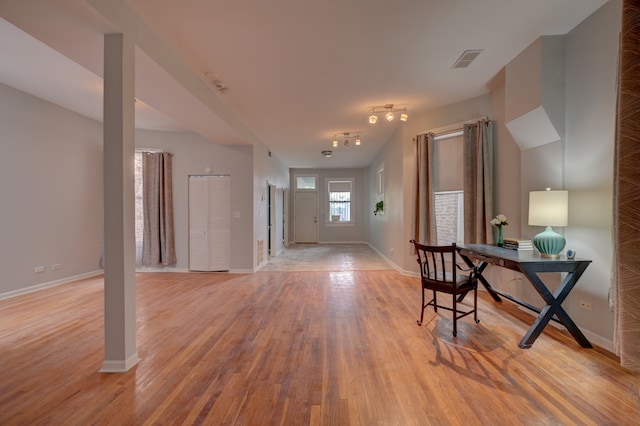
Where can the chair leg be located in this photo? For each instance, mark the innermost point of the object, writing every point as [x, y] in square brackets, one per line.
[475, 305]
[455, 317]
[422, 309]
[435, 301]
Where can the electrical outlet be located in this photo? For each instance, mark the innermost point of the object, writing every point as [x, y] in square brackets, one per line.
[56, 266]
[586, 305]
[38, 269]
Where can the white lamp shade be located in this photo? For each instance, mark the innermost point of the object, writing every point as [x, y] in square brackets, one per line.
[548, 208]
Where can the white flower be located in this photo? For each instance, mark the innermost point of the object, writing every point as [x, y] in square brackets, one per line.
[499, 221]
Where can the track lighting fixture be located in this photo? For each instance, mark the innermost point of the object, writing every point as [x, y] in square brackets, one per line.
[388, 111]
[347, 137]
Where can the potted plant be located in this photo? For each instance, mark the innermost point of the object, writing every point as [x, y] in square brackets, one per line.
[379, 207]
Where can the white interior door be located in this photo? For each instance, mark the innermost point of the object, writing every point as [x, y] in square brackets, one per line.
[306, 217]
[271, 219]
[198, 224]
[219, 223]
[209, 223]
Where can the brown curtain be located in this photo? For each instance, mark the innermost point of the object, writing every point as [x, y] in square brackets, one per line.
[478, 182]
[626, 277]
[424, 221]
[158, 246]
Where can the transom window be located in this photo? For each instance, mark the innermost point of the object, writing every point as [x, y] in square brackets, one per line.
[306, 182]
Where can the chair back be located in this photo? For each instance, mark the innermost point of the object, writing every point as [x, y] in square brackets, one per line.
[437, 264]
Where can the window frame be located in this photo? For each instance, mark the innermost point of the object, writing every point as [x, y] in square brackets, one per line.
[327, 219]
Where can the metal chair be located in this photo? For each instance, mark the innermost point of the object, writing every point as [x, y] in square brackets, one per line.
[438, 274]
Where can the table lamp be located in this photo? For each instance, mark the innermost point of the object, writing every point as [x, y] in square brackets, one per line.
[549, 208]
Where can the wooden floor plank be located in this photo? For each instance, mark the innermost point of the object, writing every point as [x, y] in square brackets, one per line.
[328, 348]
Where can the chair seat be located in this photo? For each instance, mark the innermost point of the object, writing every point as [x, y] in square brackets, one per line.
[447, 286]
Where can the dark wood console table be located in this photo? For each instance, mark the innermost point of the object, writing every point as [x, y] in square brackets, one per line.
[529, 263]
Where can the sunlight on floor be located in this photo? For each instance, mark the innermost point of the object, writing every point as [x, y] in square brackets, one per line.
[327, 257]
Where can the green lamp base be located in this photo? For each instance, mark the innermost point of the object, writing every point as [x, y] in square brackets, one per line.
[549, 243]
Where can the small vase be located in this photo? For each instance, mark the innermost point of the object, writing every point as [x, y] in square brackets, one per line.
[500, 240]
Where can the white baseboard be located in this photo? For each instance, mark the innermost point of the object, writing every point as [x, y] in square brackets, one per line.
[120, 366]
[342, 242]
[389, 261]
[49, 284]
[160, 269]
[595, 339]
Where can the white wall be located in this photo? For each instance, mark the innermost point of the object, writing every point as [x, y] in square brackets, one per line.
[386, 233]
[51, 192]
[362, 207]
[192, 155]
[267, 169]
[592, 52]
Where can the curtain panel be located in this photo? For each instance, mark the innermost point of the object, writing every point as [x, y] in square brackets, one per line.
[626, 276]
[158, 245]
[424, 221]
[478, 182]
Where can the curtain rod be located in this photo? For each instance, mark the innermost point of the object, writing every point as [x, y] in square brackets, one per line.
[453, 130]
[447, 135]
[149, 150]
[455, 127]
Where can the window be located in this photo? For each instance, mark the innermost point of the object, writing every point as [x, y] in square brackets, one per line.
[448, 188]
[139, 200]
[339, 196]
[380, 183]
[139, 218]
[306, 182]
[449, 212]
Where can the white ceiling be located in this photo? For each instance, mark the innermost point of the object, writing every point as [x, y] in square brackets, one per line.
[298, 71]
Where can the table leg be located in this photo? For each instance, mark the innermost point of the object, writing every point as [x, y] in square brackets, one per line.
[554, 307]
[481, 278]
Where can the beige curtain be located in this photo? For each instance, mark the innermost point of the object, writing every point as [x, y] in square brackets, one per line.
[158, 246]
[424, 221]
[478, 182]
[626, 278]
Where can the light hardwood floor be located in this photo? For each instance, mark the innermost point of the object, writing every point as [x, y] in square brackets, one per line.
[289, 347]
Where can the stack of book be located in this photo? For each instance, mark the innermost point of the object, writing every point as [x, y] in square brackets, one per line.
[517, 244]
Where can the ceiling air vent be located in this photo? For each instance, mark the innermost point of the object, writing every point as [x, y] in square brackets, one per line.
[466, 58]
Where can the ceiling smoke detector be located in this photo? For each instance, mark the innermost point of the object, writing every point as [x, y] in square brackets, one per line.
[222, 88]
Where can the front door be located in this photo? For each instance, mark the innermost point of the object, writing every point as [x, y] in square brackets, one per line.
[306, 217]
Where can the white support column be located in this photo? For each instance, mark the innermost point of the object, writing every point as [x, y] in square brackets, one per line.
[119, 225]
